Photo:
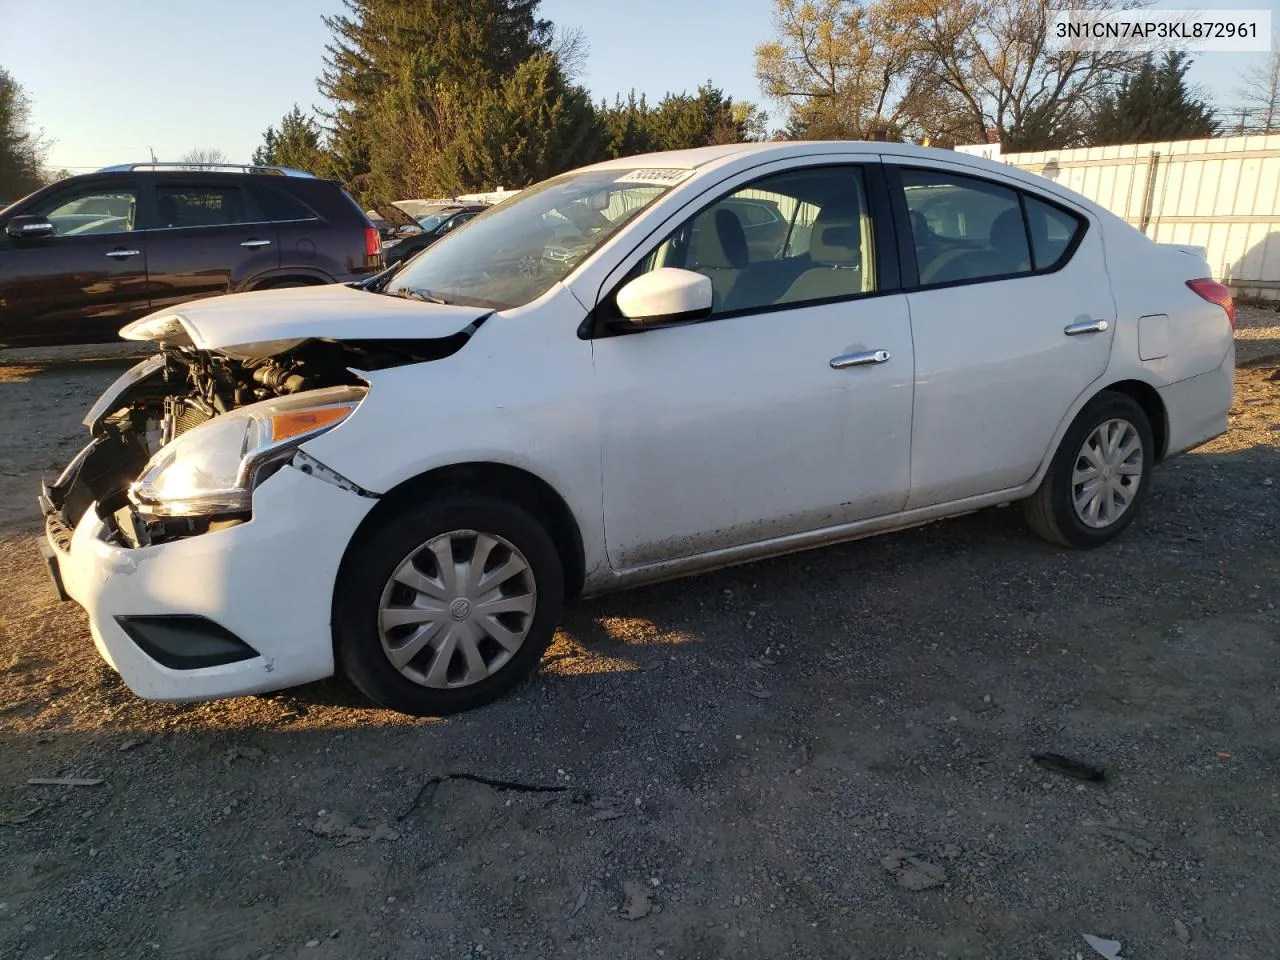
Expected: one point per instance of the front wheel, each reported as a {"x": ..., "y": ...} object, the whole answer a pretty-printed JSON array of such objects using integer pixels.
[
  {"x": 448, "y": 605},
  {"x": 1099, "y": 476}
]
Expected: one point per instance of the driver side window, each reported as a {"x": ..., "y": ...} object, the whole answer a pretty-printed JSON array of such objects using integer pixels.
[
  {"x": 804, "y": 236},
  {"x": 91, "y": 211}
]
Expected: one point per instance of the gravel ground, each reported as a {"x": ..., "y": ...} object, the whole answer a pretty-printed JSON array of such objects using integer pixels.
[{"x": 743, "y": 763}]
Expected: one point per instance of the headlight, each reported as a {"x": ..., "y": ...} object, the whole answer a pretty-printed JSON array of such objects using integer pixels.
[{"x": 213, "y": 468}]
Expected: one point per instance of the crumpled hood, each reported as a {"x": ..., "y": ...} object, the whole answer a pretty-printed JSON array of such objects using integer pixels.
[{"x": 279, "y": 319}]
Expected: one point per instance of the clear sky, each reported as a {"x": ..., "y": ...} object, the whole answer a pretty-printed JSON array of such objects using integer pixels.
[{"x": 111, "y": 81}]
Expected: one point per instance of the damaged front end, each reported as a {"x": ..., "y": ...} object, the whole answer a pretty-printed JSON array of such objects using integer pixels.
[{"x": 181, "y": 440}]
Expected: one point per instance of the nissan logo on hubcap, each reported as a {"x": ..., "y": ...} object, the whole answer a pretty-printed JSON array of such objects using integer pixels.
[{"x": 460, "y": 609}]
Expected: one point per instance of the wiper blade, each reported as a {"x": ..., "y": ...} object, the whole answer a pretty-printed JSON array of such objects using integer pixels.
[{"x": 409, "y": 293}]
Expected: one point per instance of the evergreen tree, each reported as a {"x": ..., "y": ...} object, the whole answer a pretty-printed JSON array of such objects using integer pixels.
[
  {"x": 679, "y": 122},
  {"x": 1151, "y": 105},
  {"x": 296, "y": 144},
  {"x": 535, "y": 125},
  {"x": 628, "y": 126},
  {"x": 682, "y": 121},
  {"x": 21, "y": 152},
  {"x": 377, "y": 43}
]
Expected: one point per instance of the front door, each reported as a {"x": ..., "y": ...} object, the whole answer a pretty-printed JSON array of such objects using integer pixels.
[
  {"x": 206, "y": 237},
  {"x": 1013, "y": 321},
  {"x": 740, "y": 428},
  {"x": 83, "y": 283}
]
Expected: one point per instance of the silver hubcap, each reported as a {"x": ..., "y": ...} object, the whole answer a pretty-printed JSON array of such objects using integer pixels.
[
  {"x": 457, "y": 609},
  {"x": 1107, "y": 473}
]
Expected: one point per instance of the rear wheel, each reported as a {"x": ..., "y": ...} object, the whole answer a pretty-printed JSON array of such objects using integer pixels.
[
  {"x": 448, "y": 605},
  {"x": 1099, "y": 476}
]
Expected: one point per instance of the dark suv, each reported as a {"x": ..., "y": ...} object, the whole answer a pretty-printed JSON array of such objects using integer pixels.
[{"x": 86, "y": 255}]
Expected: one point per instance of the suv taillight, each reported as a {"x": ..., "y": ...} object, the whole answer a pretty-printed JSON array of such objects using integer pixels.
[
  {"x": 372, "y": 242},
  {"x": 1218, "y": 293}
]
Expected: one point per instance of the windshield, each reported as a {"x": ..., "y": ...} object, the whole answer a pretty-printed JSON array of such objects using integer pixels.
[
  {"x": 434, "y": 220},
  {"x": 514, "y": 252}
]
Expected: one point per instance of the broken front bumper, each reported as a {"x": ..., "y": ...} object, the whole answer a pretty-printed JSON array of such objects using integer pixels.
[{"x": 240, "y": 610}]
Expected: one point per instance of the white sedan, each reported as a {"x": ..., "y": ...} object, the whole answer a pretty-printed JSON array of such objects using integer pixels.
[{"x": 637, "y": 370}]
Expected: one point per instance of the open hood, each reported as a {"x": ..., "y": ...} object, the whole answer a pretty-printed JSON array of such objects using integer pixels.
[
  {"x": 274, "y": 321},
  {"x": 394, "y": 215}
]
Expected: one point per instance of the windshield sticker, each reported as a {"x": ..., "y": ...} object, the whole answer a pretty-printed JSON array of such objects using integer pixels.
[{"x": 659, "y": 176}]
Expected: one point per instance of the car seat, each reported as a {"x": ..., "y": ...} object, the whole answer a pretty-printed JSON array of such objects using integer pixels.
[{"x": 835, "y": 249}]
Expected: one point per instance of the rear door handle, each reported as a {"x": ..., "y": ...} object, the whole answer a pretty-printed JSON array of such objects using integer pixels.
[
  {"x": 859, "y": 359},
  {"x": 1086, "y": 326},
  {"x": 253, "y": 244},
  {"x": 120, "y": 254}
]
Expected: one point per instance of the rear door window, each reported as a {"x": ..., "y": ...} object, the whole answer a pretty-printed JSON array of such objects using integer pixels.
[
  {"x": 964, "y": 228},
  {"x": 190, "y": 205}
]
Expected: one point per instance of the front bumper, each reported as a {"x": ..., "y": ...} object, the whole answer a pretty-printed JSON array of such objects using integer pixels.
[{"x": 268, "y": 582}]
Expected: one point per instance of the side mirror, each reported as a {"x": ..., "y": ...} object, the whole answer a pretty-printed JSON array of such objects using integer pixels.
[
  {"x": 29, "y": 228},
  {"x": 665, "y": 296}
]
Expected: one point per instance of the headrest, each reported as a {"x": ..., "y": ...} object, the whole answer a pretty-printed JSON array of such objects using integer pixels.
[
  {"x": 733, "y": 239},
  {"x": 717, "y": 245},
  {"x": 1007, "y": 231},
  {"x": 836, "y": 239}
]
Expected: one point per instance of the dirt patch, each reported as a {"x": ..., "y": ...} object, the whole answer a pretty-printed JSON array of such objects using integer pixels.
[
  {"x": 800, "y": 758},
  {"x": 1257, "y": 336}
]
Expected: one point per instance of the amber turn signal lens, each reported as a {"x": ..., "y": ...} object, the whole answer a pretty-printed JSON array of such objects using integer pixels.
[{"x": 286, "y": 425}]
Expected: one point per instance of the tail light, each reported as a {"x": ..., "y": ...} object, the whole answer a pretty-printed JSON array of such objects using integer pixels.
[
  {"x": 372, "y": 242},
  {"x": 1218, "y": 293}
]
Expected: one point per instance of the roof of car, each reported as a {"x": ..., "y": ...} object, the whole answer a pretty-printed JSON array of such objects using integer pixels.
[
  {"x": 701, "y": 156},
  {"x": 732, "y": 153}
]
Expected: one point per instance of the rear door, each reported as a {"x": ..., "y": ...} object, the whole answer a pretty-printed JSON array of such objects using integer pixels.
[
  {"x": 87, "y": 280},
  {"x": 323, "y": 231},
  {"x": 1012, "y": 318},
  {"x": 206, "y": 237}
]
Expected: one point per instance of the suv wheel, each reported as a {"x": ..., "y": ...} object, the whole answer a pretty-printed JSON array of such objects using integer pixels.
[
  {"x": 447, "y": 606},
  {"x": 1099, "y": 476}
]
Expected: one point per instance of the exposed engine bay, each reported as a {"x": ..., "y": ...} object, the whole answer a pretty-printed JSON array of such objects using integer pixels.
[{"x": 181, "y": 388}]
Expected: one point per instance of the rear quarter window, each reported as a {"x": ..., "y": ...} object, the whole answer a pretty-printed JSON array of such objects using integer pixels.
[
  {"x": 1053, "y": 232},
  {"x": 278, "y": 206}
]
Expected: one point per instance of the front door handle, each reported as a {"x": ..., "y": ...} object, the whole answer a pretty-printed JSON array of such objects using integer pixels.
[
  {"x": 859, "y": 359},
  {"x": 254, "y": 244},
  {"x": 1086, "y": 326},
  {"x": 120, "y": 254}
]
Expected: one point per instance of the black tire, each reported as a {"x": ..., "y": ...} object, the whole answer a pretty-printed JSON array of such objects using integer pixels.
[
  {"x": 367, "y": 570},
  {"x": 285, "y": 284},
  {"x": 1051, "y": 510}
]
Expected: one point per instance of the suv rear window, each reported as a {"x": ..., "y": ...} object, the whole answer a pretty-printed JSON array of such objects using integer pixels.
[{"x": 278, "y": 206}]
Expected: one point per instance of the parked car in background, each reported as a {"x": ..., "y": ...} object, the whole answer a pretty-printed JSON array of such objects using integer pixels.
[
  {"x": 605, "y": 382},
  {"x": 431, "y": 227},
  {"x": 422, "y": 208},
  {"x": 84, "y": 256},
  {"x": 392, "y": 222}
]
